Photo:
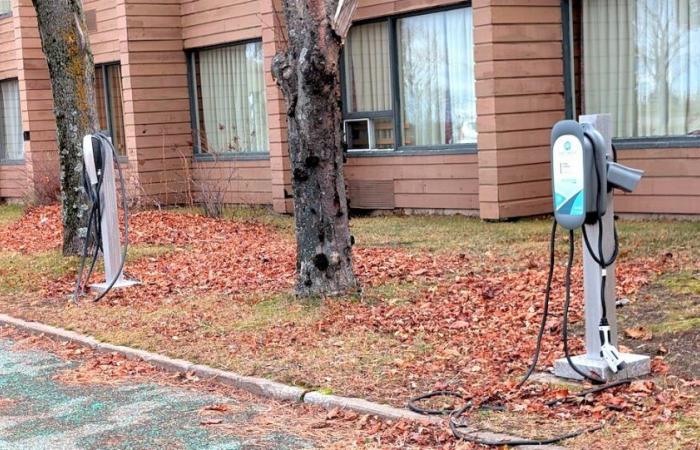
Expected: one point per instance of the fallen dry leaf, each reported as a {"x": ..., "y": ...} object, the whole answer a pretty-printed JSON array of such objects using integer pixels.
[{"x": 638, "y": 333}]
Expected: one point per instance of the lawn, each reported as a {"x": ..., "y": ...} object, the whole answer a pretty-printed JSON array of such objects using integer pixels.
[{"x": 447, "y": 302}]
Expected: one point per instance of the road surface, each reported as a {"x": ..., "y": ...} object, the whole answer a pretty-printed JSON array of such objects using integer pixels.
[{"x": 39, "y": 412}]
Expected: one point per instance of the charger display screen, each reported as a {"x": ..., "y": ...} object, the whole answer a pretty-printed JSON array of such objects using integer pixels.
[{"x": 568, "y": 175}]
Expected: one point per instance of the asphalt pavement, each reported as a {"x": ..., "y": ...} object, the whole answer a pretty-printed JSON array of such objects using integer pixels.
[{"x": 39, "y": 412}]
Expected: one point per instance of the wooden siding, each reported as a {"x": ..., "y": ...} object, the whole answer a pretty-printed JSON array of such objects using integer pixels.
[
  {"x": 41, "y": 151},
  {"x": 13, "y": 181},
  {"x": 243, "y": 182},
  {"x": 210, "y": 22},
  {"x": 104, "y": 41},
  {"x": 423, "y": 182},
  {"x": 274, "y": 40},
  {"x": 8, "y": 49},
  {"x": 671, "y": 183},
  {"x": 367, "y": 9},
  {"x": 520, "y": 95},
  {"x": 156, "y": 98}
]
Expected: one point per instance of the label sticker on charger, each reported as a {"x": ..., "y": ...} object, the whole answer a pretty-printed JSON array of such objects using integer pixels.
[{"x": 568, "y": 173}]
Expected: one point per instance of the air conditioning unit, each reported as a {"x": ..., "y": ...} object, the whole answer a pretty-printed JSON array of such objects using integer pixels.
[{"x": 359, "y": 134}]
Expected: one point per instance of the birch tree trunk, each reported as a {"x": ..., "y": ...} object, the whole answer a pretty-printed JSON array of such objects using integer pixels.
[
  {"x": 64, "y": 40},
  {"x": 309, "y": 76}
]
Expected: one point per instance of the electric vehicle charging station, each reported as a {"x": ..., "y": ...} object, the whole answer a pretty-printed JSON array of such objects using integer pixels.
[
  {"x": 103, "y": 224},
  {"x": 583, "y": 175}
]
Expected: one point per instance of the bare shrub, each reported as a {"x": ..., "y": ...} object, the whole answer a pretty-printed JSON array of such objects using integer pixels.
[
  {"x": 46, "y": 188},
  {"x": 212, "y": 192}
]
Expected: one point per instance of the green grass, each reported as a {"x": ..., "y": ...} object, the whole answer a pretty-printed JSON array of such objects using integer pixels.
[
  {"x": 10, "y": 213},
  {"x": 277, "y": 309},
  {"x": 23, "y": 273},
  {"x": 446, "y": 233},
  {"x": 685, "y": 283}
]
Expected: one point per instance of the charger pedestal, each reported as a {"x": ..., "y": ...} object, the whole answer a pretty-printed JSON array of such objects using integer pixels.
[
  {"x": 592, "y": 362},
  {"x": 110, "y": 228}
]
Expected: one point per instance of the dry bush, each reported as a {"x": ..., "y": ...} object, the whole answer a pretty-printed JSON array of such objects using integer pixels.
[
  {"x": 212, "y": 192},
  {"x": 47, "y": 188}
]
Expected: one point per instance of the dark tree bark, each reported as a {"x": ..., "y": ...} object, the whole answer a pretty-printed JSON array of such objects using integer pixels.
[
  {"x": 64, "y": 39},
  {"x": 309, "y": 76}
]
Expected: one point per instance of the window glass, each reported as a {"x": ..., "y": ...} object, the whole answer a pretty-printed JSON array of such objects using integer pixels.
[
  {"x": 436, "y": 72},
  {"x": 367, "y": 75},
  {"x": 231, "y": 102},
  {"x": 11, "y": 139},
  {"x": 641, "y": 63},
  {"x": 110, "y": 105},
  {"x": 5, "y": 6}
]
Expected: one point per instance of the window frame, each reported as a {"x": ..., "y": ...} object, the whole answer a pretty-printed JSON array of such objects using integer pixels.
[
  {"x": 107, "y": 89},
  {"x": 395, "y": 112},
  {"x": 627, "y": 143},
  {"x": 197, "y": 154},
  {"x": 16, "y": 161}
]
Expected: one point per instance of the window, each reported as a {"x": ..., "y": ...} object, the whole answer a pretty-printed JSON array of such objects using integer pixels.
[
  {"x": 423, "y": 96},
  {"x": 641, "y": 63},
  {"x": 110, "y": 106},
  {"x": 229, "y": 103},
  {"x": 5, "y": 7},
  {"x": 11, "y": 139}
]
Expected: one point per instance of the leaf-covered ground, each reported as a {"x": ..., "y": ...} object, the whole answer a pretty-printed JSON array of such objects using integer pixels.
[{"x": 448, "y": 303}]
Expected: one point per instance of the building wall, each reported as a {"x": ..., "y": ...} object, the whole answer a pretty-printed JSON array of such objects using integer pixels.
[
  {"x": 671, "y": 183},
  {"x": 520, "y": 94},
  {"x": 104, "y": 37},
  {"x": 13, "y": 178},
  {"x": 8, "y": 51},
  {"x": 211, "y": 22},
  {"x": 40, "y": 150}
]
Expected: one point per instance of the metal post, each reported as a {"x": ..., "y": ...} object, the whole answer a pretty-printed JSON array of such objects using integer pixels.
[
  {"x": 591, "y": 269},
  {"x": 592, "y": 362}
]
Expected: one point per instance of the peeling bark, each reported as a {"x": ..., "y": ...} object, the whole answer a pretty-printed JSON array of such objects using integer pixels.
[
  {"x": 308, "y": 73},
  {"x": 64, "y": 39}
]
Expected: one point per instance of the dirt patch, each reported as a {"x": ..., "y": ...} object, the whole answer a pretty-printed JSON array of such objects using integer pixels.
[{"x": 664, "y": 321}]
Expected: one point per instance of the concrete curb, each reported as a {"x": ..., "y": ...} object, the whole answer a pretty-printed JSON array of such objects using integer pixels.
[{"x": 257, "y": 386}]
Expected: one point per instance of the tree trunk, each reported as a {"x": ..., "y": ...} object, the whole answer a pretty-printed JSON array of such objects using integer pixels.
[
  {"x": 309, "y": 76},
  {"x": 64, "y": 40}
]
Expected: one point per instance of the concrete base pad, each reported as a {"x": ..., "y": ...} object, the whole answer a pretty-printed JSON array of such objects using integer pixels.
[
  {"x": 123, "y": 283},
  {"x": 636, "y": 366}
]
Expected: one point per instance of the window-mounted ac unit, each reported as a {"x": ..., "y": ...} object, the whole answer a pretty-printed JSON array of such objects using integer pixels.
[{"x": 359, "y": 134}]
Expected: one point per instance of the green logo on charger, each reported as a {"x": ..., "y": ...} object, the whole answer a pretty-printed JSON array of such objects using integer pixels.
[{"x": 567, "y": 145}]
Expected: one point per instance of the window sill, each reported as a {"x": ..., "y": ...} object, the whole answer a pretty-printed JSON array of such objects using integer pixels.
[
  {"x": 659, "y": 142},
  {"x": 253, "y": 156},
  {"x": 11, "y": 162},
  {"x": 468, "y": 149},
  {"x": 5, "y": 15}
]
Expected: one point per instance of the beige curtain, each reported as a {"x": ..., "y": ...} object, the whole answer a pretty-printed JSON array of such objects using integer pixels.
[
  {"x": 642, "y": 64},
  {"x": 233, "y": 99},
  {"x": 436, "y": 72},
  {"x": 367, "y": 68},
  {"x": 11, "y": 139}
]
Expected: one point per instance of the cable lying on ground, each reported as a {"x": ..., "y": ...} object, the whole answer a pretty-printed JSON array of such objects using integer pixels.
[{"x": 456, "y": 414}]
